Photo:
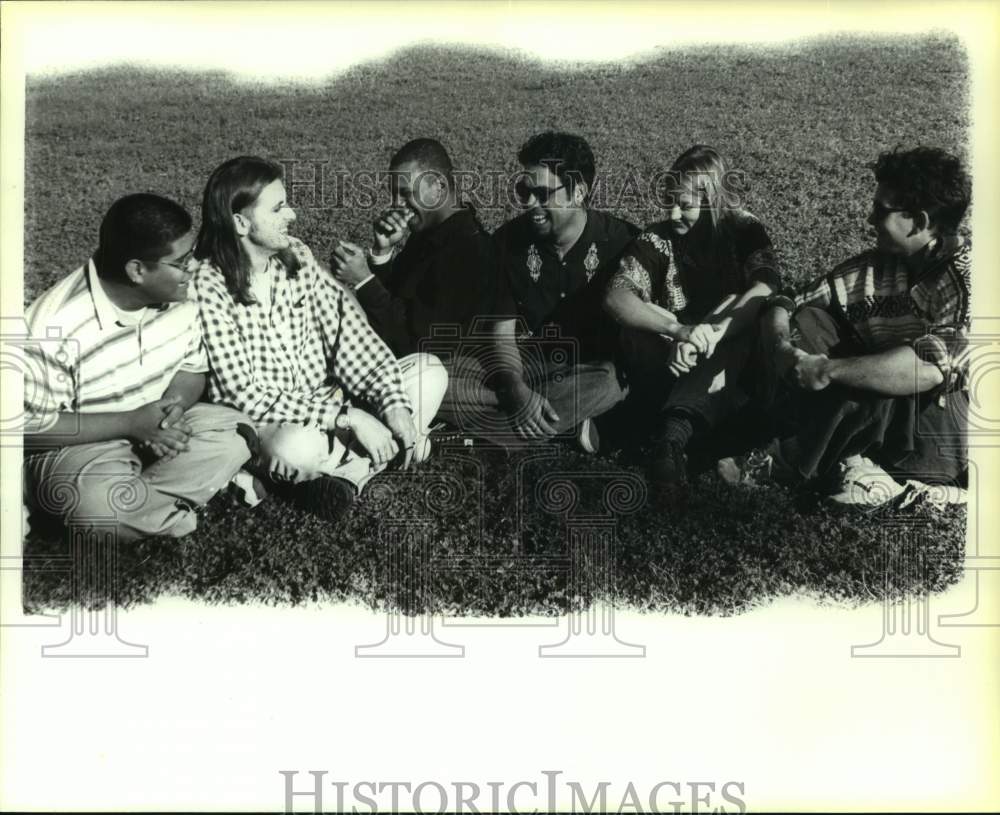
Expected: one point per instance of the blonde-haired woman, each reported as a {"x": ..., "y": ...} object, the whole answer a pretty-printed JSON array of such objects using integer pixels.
[{"x": 687, "y": 291}]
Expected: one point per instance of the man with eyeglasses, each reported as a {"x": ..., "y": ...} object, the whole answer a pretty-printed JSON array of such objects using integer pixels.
[
  {"x": 873, "y": 351},
  {"x": 114, "y": 371},
  {"x": 558, "y": 255}
]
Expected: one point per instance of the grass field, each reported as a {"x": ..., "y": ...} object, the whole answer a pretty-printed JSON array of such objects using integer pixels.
[{"x": 800, "y": 121}]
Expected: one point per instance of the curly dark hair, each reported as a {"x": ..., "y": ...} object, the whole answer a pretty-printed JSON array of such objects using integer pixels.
[
  {"x": 565, "y": 154},
  {"x": 927, "y": 179}
]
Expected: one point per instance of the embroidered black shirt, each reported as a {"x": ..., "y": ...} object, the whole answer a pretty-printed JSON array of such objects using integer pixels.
[{"x": 566, "y": 292}]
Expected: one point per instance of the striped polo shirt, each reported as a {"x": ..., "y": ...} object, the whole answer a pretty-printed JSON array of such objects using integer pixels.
[{"x": 84, "y": 355}]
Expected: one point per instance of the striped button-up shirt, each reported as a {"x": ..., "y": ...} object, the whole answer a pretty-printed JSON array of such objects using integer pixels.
[
  {"x": 290, "y": 358},
  {"x": 84, "y": 355},
  {"x": 885, "y": 307}
]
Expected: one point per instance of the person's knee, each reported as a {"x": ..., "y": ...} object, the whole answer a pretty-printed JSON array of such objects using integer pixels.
[
  {"x": 434, "y": 376},
  {"x": 815, "y": 331},
  {"x": 233, "y": 451},
  {"x": 104, "y": 497},
  {"x": 297, "y": 447},
  {"x": 93, "y": 488},
  {"x": 426, "y": 384},
  {"x": 206, "y": 417}
]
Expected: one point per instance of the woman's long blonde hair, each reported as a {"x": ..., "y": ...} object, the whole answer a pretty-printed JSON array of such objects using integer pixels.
[{"x": 702, "y": 170}]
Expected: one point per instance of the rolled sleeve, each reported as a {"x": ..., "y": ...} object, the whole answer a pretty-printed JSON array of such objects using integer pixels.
[
  {"x": 49, "y": 383},
  {"x": 234, "y": 379},
  {"x": 945, "y": 348},
  {"x": 361, "y": 360},
  {"x": 195, "y": 358}
]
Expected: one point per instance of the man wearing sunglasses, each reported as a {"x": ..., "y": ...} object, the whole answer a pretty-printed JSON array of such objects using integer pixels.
[
  {"x": 115, "y": 368},
  {"x": 873, "y": 351},
  {"x": 558, "y": 255}
]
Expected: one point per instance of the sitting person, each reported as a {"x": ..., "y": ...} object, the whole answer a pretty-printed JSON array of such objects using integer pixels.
[
  {"x": 444, "y": 289},
  {"x": 558, "y": 256},
  {"x": 115, "y": 431},
  {"x": 873, "y": 350},
  {"x": 687, "y": 292},
  {"x": 287, "y": 345}
]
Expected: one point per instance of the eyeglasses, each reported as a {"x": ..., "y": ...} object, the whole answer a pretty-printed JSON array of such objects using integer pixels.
[
  {"x": 180, "y": 263},
  {"x": 525, "y": 192}
]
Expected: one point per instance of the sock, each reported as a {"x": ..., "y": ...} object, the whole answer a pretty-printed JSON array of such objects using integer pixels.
[{"x": 678, "y": 429}]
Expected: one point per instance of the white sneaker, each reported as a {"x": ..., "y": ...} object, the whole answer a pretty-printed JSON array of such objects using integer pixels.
[
  {"x": 937, "y": 495},
  {"x": 249, "y": 489},
  {"x": 864, "y": 483},
  {"x": 587, "y": 437}
]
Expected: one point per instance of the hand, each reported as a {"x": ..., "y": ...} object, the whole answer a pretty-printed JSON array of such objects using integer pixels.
[
  {"x": 786, "y": 356},
  {"x": 349, "y": 264},
  {"x": 400, "y": 423},
  {"x": 373, "y": 436},
  {"x": 683, "y": 357},
  {"x": 143, "y": 426},
  {"x": 812, "y": 372},
  {"x": 159, "y": 451},
  {"x": 390, "y": 228},
  {"x": 704, "y": 336},
  {"x": 531, "y": 413},
  {"x": 173, "y": 416}
]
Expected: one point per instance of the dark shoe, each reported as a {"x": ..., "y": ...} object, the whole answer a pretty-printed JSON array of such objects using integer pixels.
[
  {"x": 668, "y": 464},
  {"x": 326, "y": 497},
  {"x": 255, "y": 465},
  {"x": 771, "y": 464}
]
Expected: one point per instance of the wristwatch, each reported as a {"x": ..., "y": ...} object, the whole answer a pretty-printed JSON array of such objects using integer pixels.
[{"x": 343, "y": 420}]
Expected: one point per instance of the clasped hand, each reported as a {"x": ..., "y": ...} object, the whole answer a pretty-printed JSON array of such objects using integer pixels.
[
  {"x": 703, "y": 336},
  {"x": 811, "y": 371},
  {"x": 160, "y": 427},
  {"x": 683, "y": 357}
]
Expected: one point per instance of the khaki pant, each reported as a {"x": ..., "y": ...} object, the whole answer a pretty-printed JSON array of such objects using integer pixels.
[
  {"x": 315, "y": 452},
  {"x": 106, "y": 481},
  {"x": 576, "y": 391}
]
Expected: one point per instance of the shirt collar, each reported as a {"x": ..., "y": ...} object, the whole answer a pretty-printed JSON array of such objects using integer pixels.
[
  {"x": 594, "y": 231},
  {"x": 928, "y": 259},
  {"x": 107, "y": 312},
  {"x": 464, "y": 220}
]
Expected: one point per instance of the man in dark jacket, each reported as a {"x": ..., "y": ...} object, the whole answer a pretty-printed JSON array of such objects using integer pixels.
[{"x": 444, "y": 291}]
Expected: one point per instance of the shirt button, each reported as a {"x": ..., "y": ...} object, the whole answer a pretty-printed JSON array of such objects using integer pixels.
[{"x": 562, "y": 294}]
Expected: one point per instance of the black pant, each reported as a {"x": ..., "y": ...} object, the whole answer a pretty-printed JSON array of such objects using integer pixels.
[{"x": 920, "y": 436}]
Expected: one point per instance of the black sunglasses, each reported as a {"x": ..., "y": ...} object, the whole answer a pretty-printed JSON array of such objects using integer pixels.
[
  {"x": 880, "y": 210},
  {"x": 525, "y": 192}
]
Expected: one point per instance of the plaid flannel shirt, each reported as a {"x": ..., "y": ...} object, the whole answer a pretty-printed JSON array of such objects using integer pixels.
[
  {"x": 292, "y": 362},
  {"x": 874, "y": 295}
]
